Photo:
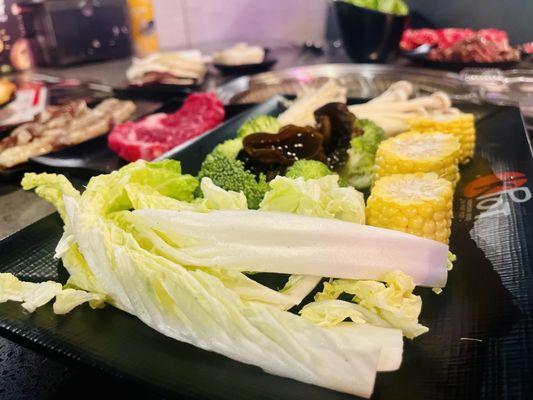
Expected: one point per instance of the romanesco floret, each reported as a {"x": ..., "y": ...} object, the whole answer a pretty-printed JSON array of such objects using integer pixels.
[
  {"x": 261, "y": 123},
  {"x": 230, "y": 174},
  {"x": 308, "y": 169},
  {"x": 360, "y": 165},
  {"x": 230, "y": 148}
]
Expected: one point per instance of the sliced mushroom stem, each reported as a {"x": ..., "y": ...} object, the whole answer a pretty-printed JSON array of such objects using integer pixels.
[
  {"x": 373, "y": 113},
  {"x": 437, "y": 101},
  {"x": 398, "y": 91}
]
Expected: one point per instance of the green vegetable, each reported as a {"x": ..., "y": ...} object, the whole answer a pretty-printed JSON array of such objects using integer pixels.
[
  {"x": 392, "y": 302},
  {"x": 308, "y": 169},
  {"x": 214, "y": 198},
  {"x": 137, "y": 270},
  {"x": 230, "y": 175},
  {"x": 162, "y": 176},
  {"x": 70, "y": 298},
  {"x": 51, "y": 188},
  {"x": 369, "y": 128},
  {"x": 261, "y": 123},
  {"x": 398, "y": 7},
  {"x": 321, "y": 197},
  {"x": 34, "y": 295},
  {"x": 38, "y": 294},
  {"x": 11, "y": 288},
  {"x": 146, "y": 195},
  {"x": 230, "y": 148},
  {"x": 359, "y": 168},
  {"x": 106, "y": 194},
  {"x": 176, "y": 263},
  {"x": 389, "y": 339},
  {"x": 331, "y": 312}
]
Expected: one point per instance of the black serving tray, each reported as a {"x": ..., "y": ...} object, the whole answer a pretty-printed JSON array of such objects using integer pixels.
[{"x": 481, "y": 326}]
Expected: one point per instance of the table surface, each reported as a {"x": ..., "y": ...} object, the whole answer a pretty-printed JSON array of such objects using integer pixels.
[{"x": 25, "y": 374}]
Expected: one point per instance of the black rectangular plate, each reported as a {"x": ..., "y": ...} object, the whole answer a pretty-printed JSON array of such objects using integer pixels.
[
  {"x": 87, "y": 158},
  {"x": 95, "y": 157},
  {"x": 481, "y": 326},
  {"x": 92, "y": 156}
]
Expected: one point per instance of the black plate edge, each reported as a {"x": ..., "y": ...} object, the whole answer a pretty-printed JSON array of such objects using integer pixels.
[
  {"x": 59, "y": 161},
  {"x": 243, "y": 69}
]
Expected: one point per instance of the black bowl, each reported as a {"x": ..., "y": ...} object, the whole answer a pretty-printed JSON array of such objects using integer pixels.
[{"x": 369, "y": 35}]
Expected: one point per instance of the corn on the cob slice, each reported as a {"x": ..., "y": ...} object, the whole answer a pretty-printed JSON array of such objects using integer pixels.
[
  {"x": 462, "y": 126},
  {"x": 420, "y": 204},
  {"x": 412, "y": 152}
]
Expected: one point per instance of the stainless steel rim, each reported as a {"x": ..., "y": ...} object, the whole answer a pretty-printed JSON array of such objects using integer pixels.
[{"x": 368, "y": 78}]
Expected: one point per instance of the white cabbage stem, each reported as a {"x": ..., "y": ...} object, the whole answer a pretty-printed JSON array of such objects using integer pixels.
[{"x": 262, "y": 241}]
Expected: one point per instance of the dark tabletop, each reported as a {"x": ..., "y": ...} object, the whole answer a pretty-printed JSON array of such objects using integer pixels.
[{"x": 25, "y": 374}]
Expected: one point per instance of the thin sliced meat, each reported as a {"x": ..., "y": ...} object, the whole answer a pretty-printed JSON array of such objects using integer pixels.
[
  {"x": 158, "y": 133},
  {"x": 60, "y": 126}
]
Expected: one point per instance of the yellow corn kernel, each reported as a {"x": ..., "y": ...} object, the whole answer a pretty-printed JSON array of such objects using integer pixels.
[
  {"x": 462, "y": 126},
  {"x": 419, "y": 204},
  {"x": 412, "y": 152}
]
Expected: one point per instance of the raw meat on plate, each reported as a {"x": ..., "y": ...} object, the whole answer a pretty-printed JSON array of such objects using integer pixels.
[{"x": 154, "y": 135}]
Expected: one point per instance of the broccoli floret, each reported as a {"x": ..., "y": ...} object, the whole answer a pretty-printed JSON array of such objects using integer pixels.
[
  {"x": 360, "y": 165},
  {"x": 261, "y": 123},
  {"x": 230, "y": 174},
  {"x": 371, "y": 131},
  {"x": 308, "y": 169},
  {"x": 229, "y": 148}
]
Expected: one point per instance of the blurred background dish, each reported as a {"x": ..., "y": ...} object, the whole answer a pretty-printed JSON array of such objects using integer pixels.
[
  {"x": 240, "y": 60},
  {"x": 458, "y": 48},
  {"x": 369, "y": 35},
  {"x": 183, "y": 68},
  {"x": 240, "y": 54},
  {"x": 422, "y": 56}
]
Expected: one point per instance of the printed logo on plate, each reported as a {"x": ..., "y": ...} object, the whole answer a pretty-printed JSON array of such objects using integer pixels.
[{"x": 492, "y": 195}]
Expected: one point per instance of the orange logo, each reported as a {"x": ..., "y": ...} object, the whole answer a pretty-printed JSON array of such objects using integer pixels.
[{"x": 490, "y": 184}]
